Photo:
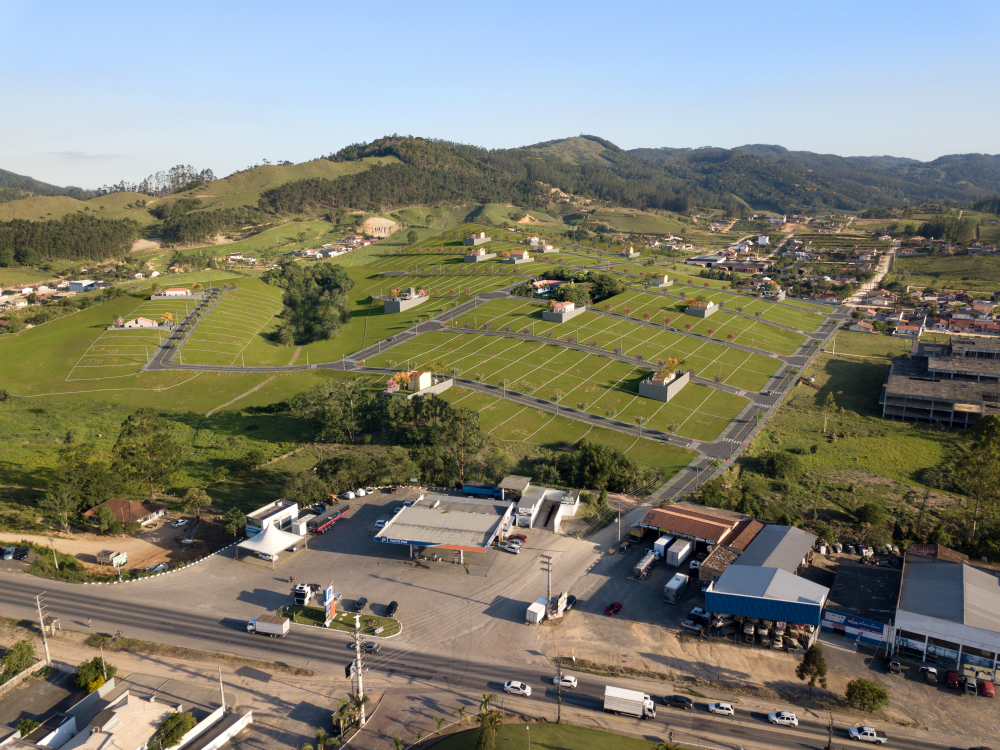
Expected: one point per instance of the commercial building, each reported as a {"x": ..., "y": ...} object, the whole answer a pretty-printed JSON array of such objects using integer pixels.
[
  {"x": 862, "y": 603},
  {"x": 953, "y": 384},
  {"x": 763, "y": 583},
  {"x": 449, "y": 522},
  {"x": 706, "y": 527},
  {"x": 713, "y": 566},
  {"x": 280, "y": 513},
  {"x": 81, "y": 285},
  {"x": 948, "y": 611}
]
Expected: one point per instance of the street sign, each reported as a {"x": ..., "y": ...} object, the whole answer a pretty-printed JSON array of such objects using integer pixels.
[{"x": 328, "y": 601}]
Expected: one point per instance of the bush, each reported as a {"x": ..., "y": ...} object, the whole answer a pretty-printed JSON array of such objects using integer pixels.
[
  {"x": 90, "y": 674},
  {"x": 173, "y": 728},
  {"x": 25, "y": 726},
  {"x": 866, "y": 695},
  {"x": 782, "y": 465},
  {"x": 16, "y": 659}
]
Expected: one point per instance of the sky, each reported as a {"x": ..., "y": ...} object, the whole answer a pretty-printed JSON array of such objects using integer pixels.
[{"x": 97, "y": 92}]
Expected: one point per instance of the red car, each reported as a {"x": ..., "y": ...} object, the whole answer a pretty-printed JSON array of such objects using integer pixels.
[
  {"x": 986, "y": 688},
  {"x": 951, "y": 679},
  {"x": 518, "y": 537},
  {"x": 615, "y": 607}
]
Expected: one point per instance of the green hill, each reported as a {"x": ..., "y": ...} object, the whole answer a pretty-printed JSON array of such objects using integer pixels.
[{"x": 15, "y": 187}]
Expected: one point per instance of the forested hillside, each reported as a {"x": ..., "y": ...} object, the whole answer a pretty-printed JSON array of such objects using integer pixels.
[
  {"x": 14, "y": 187},
  {"x": 74, "y": 237}
]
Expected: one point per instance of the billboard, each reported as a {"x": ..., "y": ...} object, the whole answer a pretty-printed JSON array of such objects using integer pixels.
[
  {"x": 851, "y": 621},
  {"x": 328, "y": 601}
]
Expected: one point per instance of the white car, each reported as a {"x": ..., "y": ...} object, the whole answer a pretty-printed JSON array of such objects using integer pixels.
[
  {"x": 348, "y": 495},
  {"x": 695, "y": 564},
  {"x": 517, "y": 688},
  {"x": 514, "y": 542},
  {"x": 360, "y": 492},
  {"x": 380, "y": 524},
  {"x": 567, "y": 681},
  {"x": 691, "y": 625},
  {"x": 178, "y": 524},
  {"x": 698, "y": 612},
  {"x": 369, "y": 490},
  {"x": 785, "y": 718},
  {"x": 513, "y": 548},
  {"x": 723, "y": 709},
  {"x": 397, "y": 509}
]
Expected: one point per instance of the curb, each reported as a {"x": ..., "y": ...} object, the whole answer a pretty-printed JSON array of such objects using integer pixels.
[{"x": 164, "y": 573}]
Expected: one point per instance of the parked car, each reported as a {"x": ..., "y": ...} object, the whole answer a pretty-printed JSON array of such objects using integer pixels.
[
  {"x": 370, "y": 647},
  {"x": 348, "y": 495},
  {"x": 723, "y": 709},
  {"x": 779, "y": 641},
  {"x": 566, "y": 681},
  {"x": 969, "y": 686},
  {"x": 678, "y": 701},
  {"x": 380, "y": 524},
  {"x": 930, "y": 674},
  {"x": 514, "y": 549},
  {"x": 785, "y": 718},
  {"x": 515, "y": 542},
  {"x": 181, "y": 522},
  {"x": 397, "y": 509},
  {"x": 613, "y": 609},
  {"x": 369, "y": 490},
  {"x": 691, "y": 625},
  {"x": 986, "y": 689},
  {"x": 698, "y": 611},
  {"x": 407, "y": 503},
  {"x": 360, "y": 492},
  {"x": 20, "y": 553},
  {"x": 8, "y": 553},
  {"x": 517, "y": 688},
  {"x": 391, "y": 610},
  {"x": 892, "y": 666},
  {"x": 695, "y": 564},
  {"x": 359, "y": 605},
  {"x": 266, "y": 556},
  {"x": 517, "y": 538},
  {"x": 951, "y": 679},
  {"x": 570, "y": 601},
  {"x": 748, "y": 629}
]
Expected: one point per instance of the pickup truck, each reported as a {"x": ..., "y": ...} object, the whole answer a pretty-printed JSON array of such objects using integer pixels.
[{"x": 867, "y": 734}]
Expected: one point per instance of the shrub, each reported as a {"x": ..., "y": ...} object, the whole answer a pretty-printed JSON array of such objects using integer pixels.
[
  {"x": 90, "y": 674},
  {"x": 866, "y": 695}
]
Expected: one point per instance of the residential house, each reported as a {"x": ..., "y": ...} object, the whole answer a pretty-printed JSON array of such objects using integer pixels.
[
  {"x": 140, "y": 323},
  {"x": 127, "y": 511},
  {"x": 862, "y": 326}
]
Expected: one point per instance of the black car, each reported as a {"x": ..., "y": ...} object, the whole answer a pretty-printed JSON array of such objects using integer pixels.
[
  {"x": 570, "y": 601},
  {"x": 390, "y": 611},
  {"x": 370, "y": 647},
  {"x": 359, "y": 605},
  {"x": 20, "y": 553},
  {"x": 678, "y": 701},
  {"x": 700, "y": 619},
  {"x": 893, "y": 667}
]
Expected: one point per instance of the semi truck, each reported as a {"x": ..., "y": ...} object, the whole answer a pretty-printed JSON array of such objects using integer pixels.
[
  {"x": 482, "y": 489},
  {"x": 675, "y": 588},
  {"x": 678, "y": 552},
  {"x": 641, "y": 570},
  {"x": 111, "y": 557},
  {"x": 325, "y": 521},
  {"x": 660, "y": 546},
  {"x": 276, "y": 627},
  {"x": 628, "y": 702}
]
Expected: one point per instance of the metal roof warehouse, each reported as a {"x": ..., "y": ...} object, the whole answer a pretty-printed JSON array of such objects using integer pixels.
[{"x": 449, "y": 522}]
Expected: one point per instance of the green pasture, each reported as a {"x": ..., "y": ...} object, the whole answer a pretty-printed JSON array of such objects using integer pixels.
[
  {"x": 639, "y": 222},
  {"x": 979, "y": 273},
  {"x": 15, "y": 276},
  {"x": 589, "y": 382},
  {"x": 775, "y": 312}
]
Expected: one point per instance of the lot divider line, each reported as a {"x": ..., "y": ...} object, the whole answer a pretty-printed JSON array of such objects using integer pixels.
[{"x": 242, "y": 395}]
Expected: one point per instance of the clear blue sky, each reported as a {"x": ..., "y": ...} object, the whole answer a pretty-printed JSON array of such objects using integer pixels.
[{"x": 98, "y": 91}]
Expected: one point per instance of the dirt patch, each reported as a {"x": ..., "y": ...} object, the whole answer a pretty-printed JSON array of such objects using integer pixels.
[
  {"x": 376, "y": 226},
  {"x": 935, "y": 499},
  {"x": 146, "y": 245},
  {"x": 526, "y": 219}
]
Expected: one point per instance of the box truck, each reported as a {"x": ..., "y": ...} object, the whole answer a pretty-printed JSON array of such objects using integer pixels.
[
  {"x": 276, "y": 627},
  {"x": 641, "y": 570},
  {"x": 678, "y": 552},
  {"x": 536, "y": 611},
  {"x": 111, "y": 557},
  {"x": 675, "y": 588},
  {"x": 628, "y": 702},
  {"x": 660, "y": 546}
]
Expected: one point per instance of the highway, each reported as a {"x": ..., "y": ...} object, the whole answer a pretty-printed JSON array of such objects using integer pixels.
[{"x": 408, "y": 667}]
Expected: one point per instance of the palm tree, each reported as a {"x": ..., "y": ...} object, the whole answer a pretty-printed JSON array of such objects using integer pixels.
[
  {"x": 440, "y": 720},
  {"x": 460, "y": 713},
  {"x": 357, "y": 702},
  {"x": 397, "y": 742},
  {"x": 641, "y": 420}
]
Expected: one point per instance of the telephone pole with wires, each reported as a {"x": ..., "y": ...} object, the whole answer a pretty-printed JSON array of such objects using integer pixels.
[
  {"x": 547, "y": 568},
  {"x": 359, "y": 668},
  {"x": 42, "y": 611}
]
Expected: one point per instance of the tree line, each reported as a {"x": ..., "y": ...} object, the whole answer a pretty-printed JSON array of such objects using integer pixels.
[
  {"x": 184, "y": 224},
  {"x": 174, "y": 180},
  {"x": 73, "y": 237},
  {"x": 315, "y": 299}
]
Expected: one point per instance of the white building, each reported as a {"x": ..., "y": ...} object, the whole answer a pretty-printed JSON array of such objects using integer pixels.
[
  {"x": 81, "y": 285},
  {"x": 140, "y": 323},
  {"x": 763, "y": 241},
  {"x": 280, "y": 513}
]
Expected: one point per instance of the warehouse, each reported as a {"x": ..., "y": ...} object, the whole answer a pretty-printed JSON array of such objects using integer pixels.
[
  {"x": 449, "y": 522},
  {"x": 948, "y": 611},
  {"x": 862, "y": 603},
  {"x": 763, "y": 582},
  {"x": 706, "y": 527}
]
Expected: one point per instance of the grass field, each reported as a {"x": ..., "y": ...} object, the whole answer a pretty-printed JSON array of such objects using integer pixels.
[
  {"x": 548, "y": 737},
  {"x": 629, "y": 220},
  {"x": 979, "y": 273},
  {"x": 235, "y": 331},
  {"x": 598, "y": 385},
  {"x": 14, "y": 276}
]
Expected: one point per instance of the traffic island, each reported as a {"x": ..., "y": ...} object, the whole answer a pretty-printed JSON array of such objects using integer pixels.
[{"x": 371, "y": 625}]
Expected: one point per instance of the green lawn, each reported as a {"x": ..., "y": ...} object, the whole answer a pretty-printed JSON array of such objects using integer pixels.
[
  {"x": 342, "y": 620},
  {"x": 980, "y": 273},
  {"x": 549, "y": 737},
  {"x": 868, "y": 344}
]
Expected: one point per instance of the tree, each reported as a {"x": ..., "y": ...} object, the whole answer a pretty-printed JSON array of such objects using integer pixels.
[
  {"x": 978, "y": 469},
  {"x": 145, "y": 451},
  {"x": 27, "y": 726},
  {"x": 132, "y": 528},
  {"x": 866, "y": 695},
  {"x": 173, "y": 728},
  {"x": 90, "y": 672},
  {"x": 252, "y": 460},
  {"x": 194, "y": 500},
  {"x": 60, "y": 504},
  {"x": 235, "y": 521},
  {"x": 489, "y": 722},
  {"x": 17, "y": 658},
  {"x": 411, "y": 237},
  {"x": 108, "y": 522},
  {"x": 828, "y": 403},
  {"x": 462, "y": 436},
  {"x": 342, "y": 716},
  {"x": 812, "y": 668}
]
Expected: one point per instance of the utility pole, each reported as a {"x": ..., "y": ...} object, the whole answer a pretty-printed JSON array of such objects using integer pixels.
[
  {"x": 222, "y": 689},
  {"x": 559, "y": 694},
  {"x": 547, "y": 567},
  {"x": 358, "y": 668},
  {"x": 55, "y": 560},
  {"x": 104, "y": 669},
  {"x": 39, "y": 603}
]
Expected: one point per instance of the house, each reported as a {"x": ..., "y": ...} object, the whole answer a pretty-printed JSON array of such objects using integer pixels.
[
  {"x": 127, "y": 511},
  {"x": 419, "y": 381},
  {"x": 629, "y": 252},
  {"x": 763, "y": 241},
  {"x": 140, "y": 323},
  {"x": 81, "y": 285},
  {"x": 234, "y": 256},
  {"x": 563, "y": 307},
  {"x": 476, "y": 238},
  {"x": 175, "y": 292},
  {"x": 862, "y": 326},
  {"x": 544, "y": 286},
  {"x": 908, "y": 331},
  {"x": 138, "y": 276}
]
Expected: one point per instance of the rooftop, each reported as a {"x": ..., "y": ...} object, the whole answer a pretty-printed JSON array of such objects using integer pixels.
[
  {"x": 744, "y": 533},
  {"x": 769, "y": 583},
  {"x": 781, "y": 547},
  {"x": 271, "y": 509},
  {"x": 447, "y": 520},
  {"x": 685, "y": 522},
  {"x": 865, "y": 591},
  {"x": 127, "y": 510},
  {"x": 515, "y": 483},
  {"x": 951, "y": 591}
]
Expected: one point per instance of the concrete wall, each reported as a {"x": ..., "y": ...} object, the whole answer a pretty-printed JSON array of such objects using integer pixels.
[
  {"x": 562, "y": 317},
  {"x": 88, "y": 703},
  {"x": 228, "y": 728},
  {"x": 517, "y": 261},
  {"x": 478, "y": 258},
  {"x": 702, "y": 312},
  {"x": 402, "y": 305},
  {"x": 436, "y": 388},
  {"x": 189, "y": 295},
  {"x": 201, "y": 727},
  {"x": 660, "y": 392}
]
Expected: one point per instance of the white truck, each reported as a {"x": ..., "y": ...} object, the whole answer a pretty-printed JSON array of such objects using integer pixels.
[
  {"x": 537, "y": 611},
  {"x": 276, "y": 627},
  {"x": 675, "y": 588},
  {"x": 629, "y": 702},
  {"x": 867, "y": 734},
  {"x": 678, "y": 552},
  {"x": 660, "y": 546}
]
